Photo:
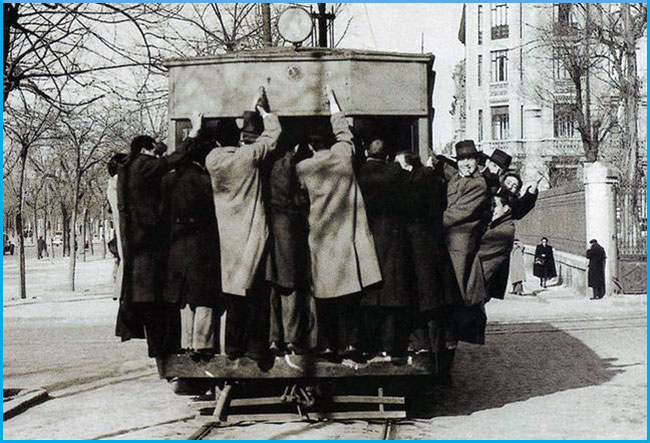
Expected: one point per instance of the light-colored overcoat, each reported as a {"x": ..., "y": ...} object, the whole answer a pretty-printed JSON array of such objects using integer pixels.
[
  {"x": 111, "y": 195},
  {"x": 241, "y": 218},
  {"x": 342, "y": 250}
]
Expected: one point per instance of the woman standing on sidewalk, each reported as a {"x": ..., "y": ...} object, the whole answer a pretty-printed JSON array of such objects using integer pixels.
[
  {"x": 517, "y": 270},
  {"x": 544, "y": 264}
]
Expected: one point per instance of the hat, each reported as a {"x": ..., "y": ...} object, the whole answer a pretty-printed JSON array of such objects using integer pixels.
[
  {"x": 592, "y": 241},
  {"x": 501, "y": 159},
  {"x": 253, "y": 126},
  {"x": 466, "y": 149}
]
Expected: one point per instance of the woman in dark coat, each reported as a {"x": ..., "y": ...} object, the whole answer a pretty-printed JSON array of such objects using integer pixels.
[
  {"x": 193, "y": 278},
  {"x": 544, "y": 265},
  {"x": 596, "y": 274}
]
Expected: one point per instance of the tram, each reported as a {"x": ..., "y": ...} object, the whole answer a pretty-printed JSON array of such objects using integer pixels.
[{"x": 381, "y": 93}]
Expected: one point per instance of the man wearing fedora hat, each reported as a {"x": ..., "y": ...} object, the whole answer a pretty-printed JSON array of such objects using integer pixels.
[
  {"x": 243, "y": 231},
  {"x": 496, "y": 165},
  {"x": 464, "y": 221}
]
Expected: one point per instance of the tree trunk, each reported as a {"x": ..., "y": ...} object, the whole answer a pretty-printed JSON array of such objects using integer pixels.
[
  {"x": 66, "y": 230},
  {"x": 631, "y": 96},
  {"x": 84, "y": 233},
  {"x": 92, "y": 236},
  {"x": 19, "y": 226},
  {"x": 73, "y": 240},
  {"x": 103, "y": 231}
]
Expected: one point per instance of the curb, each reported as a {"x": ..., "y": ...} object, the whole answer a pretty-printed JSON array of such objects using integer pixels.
[
  {"x": 65, "y": 300},
  {"x": 23, "y": 402}
]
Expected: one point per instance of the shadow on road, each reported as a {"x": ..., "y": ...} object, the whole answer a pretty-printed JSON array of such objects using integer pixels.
[{"x": 521, "y": 362}]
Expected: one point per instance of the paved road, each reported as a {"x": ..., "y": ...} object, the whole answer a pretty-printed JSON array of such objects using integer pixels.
[{"x": 581, "y": 379}]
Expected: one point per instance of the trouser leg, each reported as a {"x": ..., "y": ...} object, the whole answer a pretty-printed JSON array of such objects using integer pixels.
[
  {"x": 237, "y": 307},
  {"x": 327, "y": 324},
  {"x": 348, "y": 320},
  {"x": 257, "y": 323},
  {"x": 370, "y": 318},
  {"x": 187, "y": 327},
  {"x": 276, "y": 332},
  {"x": 397, "y": 323},
  {"x": 162, "y": 329},
  {"x": 203, "y": 330},
  {"x": 293, "y": 316}
]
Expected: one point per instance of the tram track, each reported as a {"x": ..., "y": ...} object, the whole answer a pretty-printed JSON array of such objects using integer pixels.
[{"x": 387, "y": 431}]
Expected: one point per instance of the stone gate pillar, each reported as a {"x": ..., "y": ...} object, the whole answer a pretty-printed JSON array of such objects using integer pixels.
[{"x": 600, "y": 214}]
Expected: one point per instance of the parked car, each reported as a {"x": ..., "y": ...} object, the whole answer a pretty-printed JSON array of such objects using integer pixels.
[
  {"x": 57, "y": 240},
  {"x": 7, "y": 245}
]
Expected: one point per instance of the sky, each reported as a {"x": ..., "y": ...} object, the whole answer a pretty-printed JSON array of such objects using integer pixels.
[{"x": 399, "y": 27}]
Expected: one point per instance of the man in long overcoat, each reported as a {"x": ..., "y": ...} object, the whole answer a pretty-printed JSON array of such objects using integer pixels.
[
  {"x": 193, "y": 275},
  {"x": 423, "y": 203},
  {"x": 143, "y": 309},
  {"x": 596, "y": 275},
  {"x": 385, "y": 312},
  {"x": 465, "y": 220},
  {"x": 342, "y": 251},
  {"x": 243, "y": 231}
]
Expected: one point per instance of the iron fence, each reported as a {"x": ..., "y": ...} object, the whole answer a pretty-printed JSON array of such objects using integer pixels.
[{"x": 632, "y": 220}]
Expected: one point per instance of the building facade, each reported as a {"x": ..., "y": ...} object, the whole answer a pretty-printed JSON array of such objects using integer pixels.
[{"x": 509, "y": 78}]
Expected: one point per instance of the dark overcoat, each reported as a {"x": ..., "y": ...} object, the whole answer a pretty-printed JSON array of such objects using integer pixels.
[
  {"x": 465, "y": 220},
  {"x": 497, "y": 243},
  {"x": 139, "y": 201},
  {"x": 288, "y": 210},
  {"x": 381, "y": 184},
  {"x": 544, "y": 265},
  {"x": 423, "y": 203},
  {"x": 342, "y": 250},
  {"x": 494, "y": 253},
  {"x": 193, "y": 270},
  {"x": 241, "y": 215},
  {"x": 596, "y": 274}
]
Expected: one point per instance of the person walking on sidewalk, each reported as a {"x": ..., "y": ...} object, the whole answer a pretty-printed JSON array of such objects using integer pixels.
[
  {"x": 596, "y": 275},
  {"x": 544, "y": 264}
]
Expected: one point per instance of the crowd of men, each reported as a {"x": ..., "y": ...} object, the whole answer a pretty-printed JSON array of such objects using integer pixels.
[{"x": 305, "y": 250}]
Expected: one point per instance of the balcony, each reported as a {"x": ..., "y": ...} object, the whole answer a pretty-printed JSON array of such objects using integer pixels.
[
  {"x": 544, "y": 147},
  {"x": 498, "y": 89}
]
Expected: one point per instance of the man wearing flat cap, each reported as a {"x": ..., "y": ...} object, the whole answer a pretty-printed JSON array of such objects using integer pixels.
[{"x": 243, "y": 231}]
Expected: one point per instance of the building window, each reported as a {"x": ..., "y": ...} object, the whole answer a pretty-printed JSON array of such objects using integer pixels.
[
  {"x": 480, "y": 125},
  {"x": 564, "y": 122},
  {"x": 500, "y": 123},
  {"x": 480, "y": 69},
  {"x": 499, "y": 68},
  {"x": 560, "y": 72},
  {"x": 499, "y": 21},
  {"x": 480, "y": 24}
]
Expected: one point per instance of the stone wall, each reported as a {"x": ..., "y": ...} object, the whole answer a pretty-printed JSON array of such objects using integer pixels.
[{"x": 559, "y": 215}]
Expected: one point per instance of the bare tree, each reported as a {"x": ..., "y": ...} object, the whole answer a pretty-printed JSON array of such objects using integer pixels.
[
  {"x": 617, "y": 28},
  {"x": 88, "y": 138},
  {"x": 28, "y": 127}
]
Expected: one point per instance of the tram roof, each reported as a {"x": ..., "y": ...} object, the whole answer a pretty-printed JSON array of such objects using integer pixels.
[{"x": 301, "y": 53}]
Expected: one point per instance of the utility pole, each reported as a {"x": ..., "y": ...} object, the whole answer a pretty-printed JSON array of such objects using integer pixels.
[
  {"x": 322, "y": 18},
  {"x": 266, "y": 24}
]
